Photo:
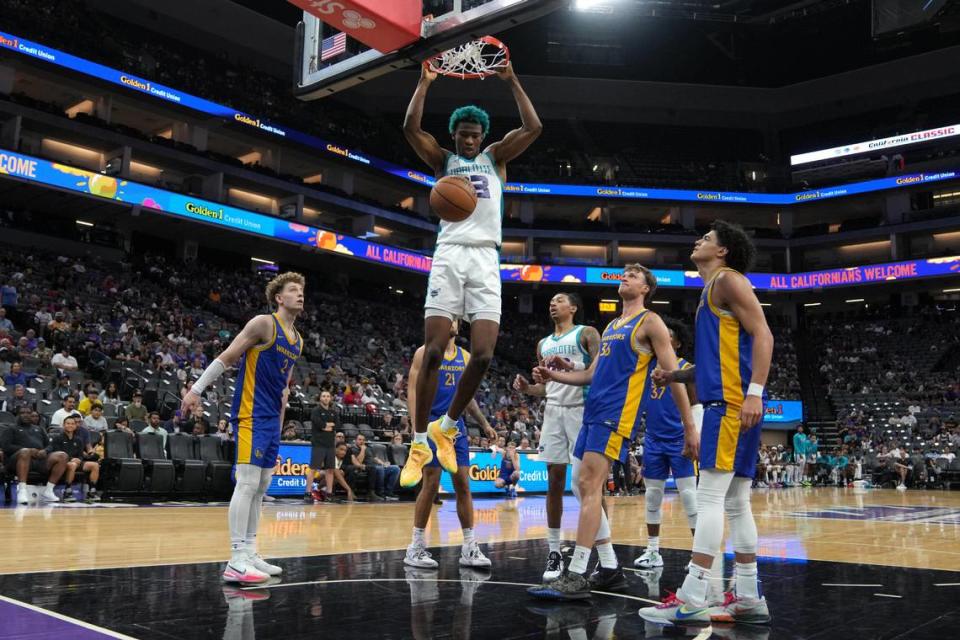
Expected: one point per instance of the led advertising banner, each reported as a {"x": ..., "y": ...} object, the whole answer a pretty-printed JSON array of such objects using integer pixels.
[
  {"x": 160, "y": 202},
  {"x": 148, "y": 87},
  {"x": 485, "y": 469},
  {"x": 293, "y": 459},
  {"x": 875, "y": 145},
  {"x": 783, "y": 412}
]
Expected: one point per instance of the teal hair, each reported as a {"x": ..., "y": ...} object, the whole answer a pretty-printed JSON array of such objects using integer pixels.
[{"x": 470, "y": 113}]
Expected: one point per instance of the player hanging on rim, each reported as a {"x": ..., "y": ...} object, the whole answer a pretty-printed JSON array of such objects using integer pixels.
[
  {"x": 733, "y": 347},
  {"x": 465, "y": 277},
  {"x": 265, "y": 352},
  {"x": 618, "y": 379},
  {"x": 663, "y": 443},
  {"x": 563, "y": 415},
  {"x": 455, "y": 362}
]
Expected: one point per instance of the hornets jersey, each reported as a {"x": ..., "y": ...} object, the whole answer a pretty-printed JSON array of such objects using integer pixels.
[
  {"x": 483, "y": 227},
  {"x": 620, "y": 378},
  {"x": 262, "y": 377},
  {"x": 450, "y": 373},
  {"x": 568, "y": 347},
  {"x": 724, "y": 352},
  {"x": 663, "y": 423}
]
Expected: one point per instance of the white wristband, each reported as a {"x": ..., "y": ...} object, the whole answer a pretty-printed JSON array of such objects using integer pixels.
[
  {"x": 579, "y": 366},
  {"x": 212, "y": 372},
  {"x": 697, "y": 411},
  {"x": 755, "y": 390}
]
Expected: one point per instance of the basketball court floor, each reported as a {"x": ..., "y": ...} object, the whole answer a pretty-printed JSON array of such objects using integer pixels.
[{"x": 833, "y": 563}]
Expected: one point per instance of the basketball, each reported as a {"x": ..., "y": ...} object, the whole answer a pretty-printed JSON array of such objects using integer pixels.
[{"x": 453, "y": 198}]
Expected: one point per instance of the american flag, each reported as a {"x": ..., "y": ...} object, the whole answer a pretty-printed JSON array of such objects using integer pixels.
[{"x": 333, "y": 46}]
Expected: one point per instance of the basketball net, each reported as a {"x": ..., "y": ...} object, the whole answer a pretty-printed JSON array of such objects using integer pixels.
[{"x": 472, "y": 60}]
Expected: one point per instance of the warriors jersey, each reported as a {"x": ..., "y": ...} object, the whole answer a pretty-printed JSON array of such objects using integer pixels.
[
  {"x": 483, "y": 227},
  {"x": 724, "y": 352},
  {"x": 620, "y": 378},
  {"x": 662, "y": 416},
  {"x": 568, "y": 347},
  {"x": 450, "y": 373},
  {"x": 263, "y": 374}
]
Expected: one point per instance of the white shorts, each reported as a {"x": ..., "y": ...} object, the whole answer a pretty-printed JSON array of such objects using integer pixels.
[
  {"x": 464, "y": 283},
  {"x": 561, "y": 426}
]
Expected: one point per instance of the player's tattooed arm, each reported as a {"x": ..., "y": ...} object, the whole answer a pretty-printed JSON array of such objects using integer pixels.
[
  {"x": 590, "y": 340},
  {"x": 518, "y": 140},
  {"x": 663, "y": 377}
]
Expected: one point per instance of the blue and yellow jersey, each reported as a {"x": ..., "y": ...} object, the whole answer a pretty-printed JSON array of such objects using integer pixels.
[
  {"x": 450, "y": 373},
  {"x": 724, "y": 352},
  {"x": 662, "y": 416},
  {"x": 263, "y": 374},
  {"x": 620, "y": 378}
]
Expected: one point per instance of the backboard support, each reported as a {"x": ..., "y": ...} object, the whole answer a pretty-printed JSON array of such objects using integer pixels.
[{"x": 314, "y": 79}]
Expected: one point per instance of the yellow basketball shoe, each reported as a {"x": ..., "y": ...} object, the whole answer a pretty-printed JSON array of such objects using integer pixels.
[
  {"x": 419, "y": 456},
  {"x": 446, "y": 454}
]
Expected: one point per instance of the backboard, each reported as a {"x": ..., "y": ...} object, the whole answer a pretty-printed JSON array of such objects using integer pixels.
[{"x": 350, "y": 62}]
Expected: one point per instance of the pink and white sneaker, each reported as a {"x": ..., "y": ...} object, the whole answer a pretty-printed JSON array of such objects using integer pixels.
[
  {"x": 741, "y": 610},
  {"x": 242, "y": 572}
]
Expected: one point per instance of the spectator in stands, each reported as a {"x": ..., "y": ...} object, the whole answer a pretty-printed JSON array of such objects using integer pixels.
[
  {"x": 90, "y": 398},
  {"x": 197, "y": 423},
  {"x": 386, "y": 476},
  {"x": 43, "y": 352},
  {"x": 18, "y": 401},
  {"x": 324, "y": 423},
  {"x": 290, "y": 432},
  {"x": 122, "y": 424},
  {"x": 111, "y": 395},
  {"x": 358, "y": 466},
  {"x": 135, "y": 410},
  {"x": 25, "y": 449},
  {"x": 6, "y": 326},
  {"x": 342, "y": 470},
  {"x": 223, "y": 430},
  {"x": 154, "y": 426},
  {"x": 62, "y": 390},
  {"x": 68, "y": 407},
  {"x": 79, "y": 456},
  {"x": 95, "y": 422},
  {"x": 64, "y": 361},
  {"x": 17, "y": 375}
]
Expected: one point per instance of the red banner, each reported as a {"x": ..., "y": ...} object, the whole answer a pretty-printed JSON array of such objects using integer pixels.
[{"x": 384, "y": 26}]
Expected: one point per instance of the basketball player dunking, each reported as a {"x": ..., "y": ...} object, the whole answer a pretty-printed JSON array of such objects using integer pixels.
[
  {"x": 465, "y": 276},
  {"x": 733, "y": 348},
  {"x": 455, "y": 362},
  {"x": 618, "y": 379},
  {"x": 563, "y": 415},
  {"x": 663, "y": 443},
  {"x": 264, "y": 352}
]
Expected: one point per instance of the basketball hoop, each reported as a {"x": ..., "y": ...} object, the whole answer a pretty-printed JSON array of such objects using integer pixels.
[{"x": 473, "y": 60}]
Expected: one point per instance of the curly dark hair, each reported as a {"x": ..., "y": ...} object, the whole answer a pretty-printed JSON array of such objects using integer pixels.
[
  {"x": 741, "y": 253},
  {"x": 575, "y": 300},
  {"x": 682, "y": 333},
  {"x": 470, "y": 113}
]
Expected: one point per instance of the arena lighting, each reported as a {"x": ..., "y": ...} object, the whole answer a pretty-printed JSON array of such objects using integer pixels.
[
  {"x": 84, "y": 223},
  {"x": 811, "y": 304},
  {"x": 766, "y": 304},
  {"x": 660, "y": 301},
  {"x": 262, "y": 260},
  {"x": 856, "y": 300},
  {"x": 592, "y": 5},
  {"x": 951, "y": 290}
]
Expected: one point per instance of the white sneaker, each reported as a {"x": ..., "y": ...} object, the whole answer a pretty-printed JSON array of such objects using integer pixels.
[
  {"x": 554, "y": 567},
  {"x": 242, "y": 571},
  {"x": 472, "y": 556},
  {"x": 47, "y": 495},
  {"x": 651, "y": 559},
  {"x": 418, "y": 556},
  {"x": 23, "y": 493},
  {"x": 262, "y": 565},
  {"x": 901, "y": 487}
]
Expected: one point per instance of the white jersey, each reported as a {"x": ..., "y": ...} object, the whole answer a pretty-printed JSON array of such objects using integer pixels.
[
  {"x": 483, "y": 227},
  {"x": 568, "y": 347}
]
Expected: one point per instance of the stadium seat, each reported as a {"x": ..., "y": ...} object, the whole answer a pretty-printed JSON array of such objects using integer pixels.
[
  {"x": 350, "y": 430},
  {"x": 378, "y": 450},
  {"x": 219, "y": 481},
  {"x": 121, "y": 472},
  {"x": 7, "y": 418},
  {"x": 190, "y": 470},
  {"x": 137, "y": 425},
  {"x": 158, "y": 472},
  {"x": 398, "y": 454}
]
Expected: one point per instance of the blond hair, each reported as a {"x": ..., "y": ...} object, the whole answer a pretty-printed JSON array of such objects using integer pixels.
[
  {"x": 276, "y": 285},
  {"x": 647, "y": 275}
]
